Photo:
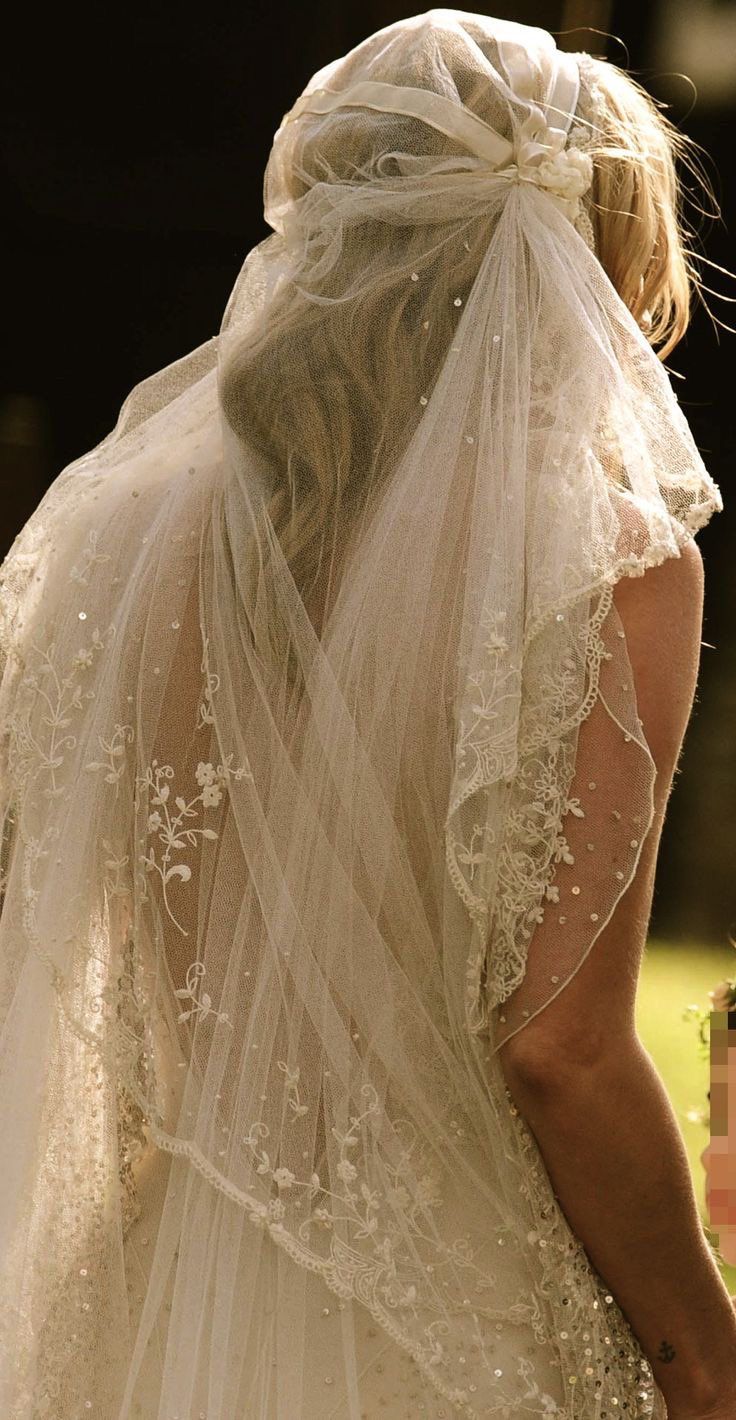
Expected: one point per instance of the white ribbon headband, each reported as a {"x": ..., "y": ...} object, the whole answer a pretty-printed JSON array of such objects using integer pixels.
[{"x": 539, "y": 155}]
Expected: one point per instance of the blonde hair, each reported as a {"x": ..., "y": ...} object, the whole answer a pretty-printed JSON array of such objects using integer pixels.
[
  {"x": 643, "y": 240},
  {"x": 331, "y": 434}
]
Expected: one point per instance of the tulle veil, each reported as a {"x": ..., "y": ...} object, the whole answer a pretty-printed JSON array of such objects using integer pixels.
[{"x": 287, "y": 853}]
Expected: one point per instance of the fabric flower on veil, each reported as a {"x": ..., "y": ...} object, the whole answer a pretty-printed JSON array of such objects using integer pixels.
[{"x": 553, "y": 160}]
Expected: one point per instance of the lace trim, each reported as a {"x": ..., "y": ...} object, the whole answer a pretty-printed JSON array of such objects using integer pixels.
[
  {"x": 561, "y": 1261},
  {"x": 347, "y": 1275},
  {"x": 526, "y": 862}
]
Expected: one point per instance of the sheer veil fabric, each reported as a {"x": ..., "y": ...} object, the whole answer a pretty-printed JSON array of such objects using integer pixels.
[{"x": 291, "y": 843}]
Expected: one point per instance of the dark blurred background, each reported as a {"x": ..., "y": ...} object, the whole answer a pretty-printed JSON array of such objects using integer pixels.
[{"x": 134, "y": 145}]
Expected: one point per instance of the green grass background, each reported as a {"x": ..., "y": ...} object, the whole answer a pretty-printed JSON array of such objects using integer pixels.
[{"x": 674, "y": 976}]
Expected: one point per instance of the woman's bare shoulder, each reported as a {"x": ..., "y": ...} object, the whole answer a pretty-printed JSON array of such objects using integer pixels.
[
  {"x": 676, "y": 576},
  {"x": 662, "y": 617}
]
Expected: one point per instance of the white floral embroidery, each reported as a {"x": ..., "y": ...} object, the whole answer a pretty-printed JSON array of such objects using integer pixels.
[
  {"x": 534, "y": 841},
  {"x": 368, "y": 1211},
  {"x": 114, "y": 748},
  {"x": 169, "y": 828},
  {"x": 90, "y": 556},
  {"x": 116, "y": 878},
  {"x": 201, "y": 1005},
  {"x": 478, "y": 750},
  {"x": 211, "y": 685},
  {"x": 33, "y": 757},
  {"x": 471, "y": 856},
  {"x": 291, "y": 1085},
  {"x": 206, "y": 717}
]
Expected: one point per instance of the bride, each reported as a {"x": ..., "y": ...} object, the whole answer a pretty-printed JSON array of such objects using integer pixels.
[{"x": 343, "y": 685}]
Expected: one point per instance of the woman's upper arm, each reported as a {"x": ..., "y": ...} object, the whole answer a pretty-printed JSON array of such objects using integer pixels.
[{"x": 661, "y": 614}]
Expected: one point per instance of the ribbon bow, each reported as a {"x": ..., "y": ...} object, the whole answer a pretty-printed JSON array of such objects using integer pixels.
[{"x": 551, "y": 159}]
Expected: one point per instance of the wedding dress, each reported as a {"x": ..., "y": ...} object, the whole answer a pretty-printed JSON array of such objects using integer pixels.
[{"x": 291, "y": 841}]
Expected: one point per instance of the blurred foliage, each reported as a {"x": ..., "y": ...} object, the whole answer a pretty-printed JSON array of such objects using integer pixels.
[{"x": 674, "y": 977}]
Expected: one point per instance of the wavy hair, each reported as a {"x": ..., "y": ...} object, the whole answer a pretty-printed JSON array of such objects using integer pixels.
[{"x": 350, "y": 373}]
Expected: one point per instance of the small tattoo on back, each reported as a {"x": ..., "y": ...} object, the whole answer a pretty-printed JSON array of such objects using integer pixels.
[{"x": 666, "y": 1352}]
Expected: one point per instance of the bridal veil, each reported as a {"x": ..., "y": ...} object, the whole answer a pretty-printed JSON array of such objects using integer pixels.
[{"x": 294, "y": 667}]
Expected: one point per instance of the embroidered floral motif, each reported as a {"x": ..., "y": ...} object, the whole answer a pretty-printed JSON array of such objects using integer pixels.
[
  {"x": 482, "y": 755},
  {"x": 114, "y": 748},
  {"x": 30, "y": 755},
  {"x": 366, "y": 1209},
  {"x": 291, "y": 1086},
  {"x": 90, "y": 557},
  {"x": 212, "y": 684},
  {"x": 201, "y": 1005},
  {"x": 532, "y": 750},
  {"x": 168, "y": 827},
  {"x": 115, "y": 865}
]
